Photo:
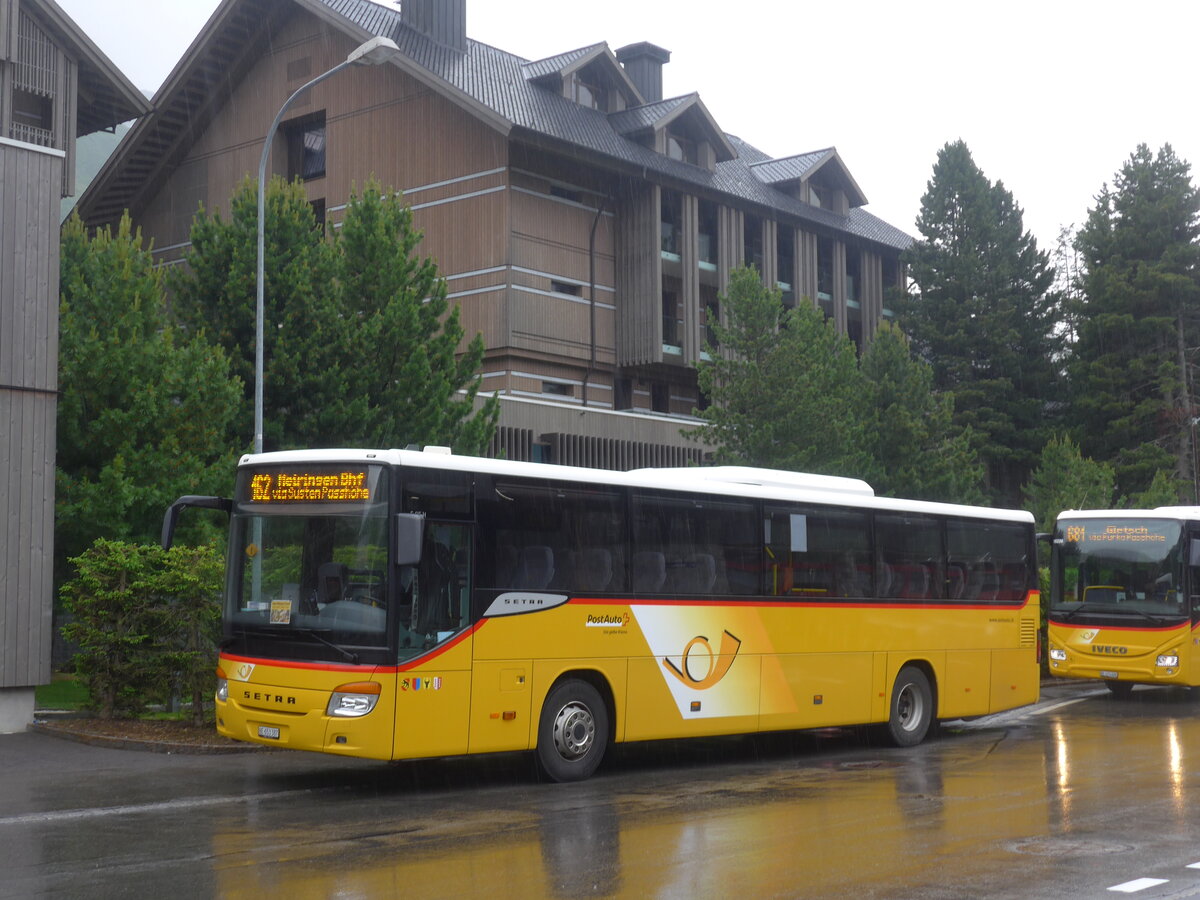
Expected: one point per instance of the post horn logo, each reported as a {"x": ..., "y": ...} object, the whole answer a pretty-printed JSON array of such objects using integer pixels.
[{"x": 718, "y": 663}]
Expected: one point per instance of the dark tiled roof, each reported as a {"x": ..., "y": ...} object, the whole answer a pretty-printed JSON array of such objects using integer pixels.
[
  {"x": 552, "y": 64},
  {"x": 642, "y": 118},
  {"x": 792, "y": 168},
  {"x": 500, "y": 81},
  {"x": 498, "y": 85}
]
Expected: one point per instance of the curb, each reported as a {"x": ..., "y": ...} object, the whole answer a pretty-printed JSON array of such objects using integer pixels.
[{"x": 92, "y": 739}]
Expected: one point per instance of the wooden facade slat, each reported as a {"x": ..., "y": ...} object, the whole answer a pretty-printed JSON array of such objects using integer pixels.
[
  {"x": 639, "y": 276},
  {"x": 30, "y": 182}
]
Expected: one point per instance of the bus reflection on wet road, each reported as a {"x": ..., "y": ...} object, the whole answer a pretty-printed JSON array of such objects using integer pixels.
[
  {"x": 1062, "y": 802},
  {"x": 1071, "y": 798}
]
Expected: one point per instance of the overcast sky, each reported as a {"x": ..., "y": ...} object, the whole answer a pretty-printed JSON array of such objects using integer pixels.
[{"x": 1051, "y": 96}]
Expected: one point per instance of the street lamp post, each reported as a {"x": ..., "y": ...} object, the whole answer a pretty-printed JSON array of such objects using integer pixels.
[{"x": 373, "y": 52}]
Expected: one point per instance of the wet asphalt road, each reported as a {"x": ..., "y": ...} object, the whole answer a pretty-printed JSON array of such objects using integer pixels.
[{"x": 1069, "y": 799}]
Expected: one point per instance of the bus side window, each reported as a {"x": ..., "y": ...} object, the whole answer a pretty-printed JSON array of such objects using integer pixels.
[{"x": 1194, "y": 573}]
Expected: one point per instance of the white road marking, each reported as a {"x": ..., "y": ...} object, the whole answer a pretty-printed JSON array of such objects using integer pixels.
[
  {"x": 1138, "y": 884},
  {"x": 95, "y": 812}
]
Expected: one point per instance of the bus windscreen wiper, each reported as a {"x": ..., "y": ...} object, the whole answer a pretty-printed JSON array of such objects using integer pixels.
[
  {"x": 347, "y": 655},
  {"x": 286, "y": 632}
]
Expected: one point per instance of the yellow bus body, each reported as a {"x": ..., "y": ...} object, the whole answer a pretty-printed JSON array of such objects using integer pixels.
[
  {"x": 1124, "y": 654},
  {"x": 670, "y": 669}
]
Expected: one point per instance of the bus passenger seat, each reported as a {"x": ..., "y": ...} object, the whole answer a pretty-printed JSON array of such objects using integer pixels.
[
  {"x": 536, "y": 569},
  {"x": 698, "y": 575},
  {"x": 595, "y": 569},
  {"x": 649, "y": 571},
  {"x": 331, "y": 582}
]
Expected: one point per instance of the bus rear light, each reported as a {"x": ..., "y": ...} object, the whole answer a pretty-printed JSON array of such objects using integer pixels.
[
  {"x": 1168, "y": 661},
  {"x": 353, "y": 700}
]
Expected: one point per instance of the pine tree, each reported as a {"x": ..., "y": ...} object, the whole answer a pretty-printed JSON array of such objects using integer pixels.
[
  {"x": 1137, "y": 316},
  {"x": 917, "y": 450},
  {"x": 144, "y": 410},
  {"x": 1065, "y": 479},
  {"x": 410, "y": 385},
  {"x": 361, "y": 348},
  {"x": 784, "y": 387},
  {"x": 984, "y": 316}
]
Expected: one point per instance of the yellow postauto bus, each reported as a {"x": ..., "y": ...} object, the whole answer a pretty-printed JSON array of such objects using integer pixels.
[
  {"x": 401, "y": 604},
  {"x": 1125, "y": 597}
]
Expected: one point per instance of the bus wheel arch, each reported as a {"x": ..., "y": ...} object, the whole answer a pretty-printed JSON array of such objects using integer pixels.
[
  {"x": 912, "y": 710},
  {"x": 575, "y": 727}
]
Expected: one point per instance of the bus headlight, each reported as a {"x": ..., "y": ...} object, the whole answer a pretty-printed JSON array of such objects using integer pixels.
[
  {"x": 1058, "y": 654},
  {"x": 222, "y": 686},
  {"x": 353, "y": 700},
  {"x": 1168, "y": 661}
]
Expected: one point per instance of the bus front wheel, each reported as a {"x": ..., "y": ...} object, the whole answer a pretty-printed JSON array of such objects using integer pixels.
[
  {"x": 911, "y": 711},
  {"x": 572, "y": 731}
]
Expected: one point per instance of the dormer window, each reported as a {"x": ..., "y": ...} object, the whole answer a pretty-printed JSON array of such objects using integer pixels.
[
  {"x": 681, "y": 148},
  {"x": 590, "y": 94}
]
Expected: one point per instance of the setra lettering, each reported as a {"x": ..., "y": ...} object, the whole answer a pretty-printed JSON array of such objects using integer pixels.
[{"x": 264, "y": 697}]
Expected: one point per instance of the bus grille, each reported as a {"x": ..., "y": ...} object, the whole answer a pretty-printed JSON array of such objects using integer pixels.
[{"x": 1028, "y": 633}]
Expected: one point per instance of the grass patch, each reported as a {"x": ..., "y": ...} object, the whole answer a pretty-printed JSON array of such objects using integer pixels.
[{"x": 64, "y": 692}]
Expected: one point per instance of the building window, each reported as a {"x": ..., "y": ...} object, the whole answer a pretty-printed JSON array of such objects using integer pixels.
[
  {"x": 590, "y": 94},
  {"x": 306, "y": 147},
  {"x": 623, "y": 394},
  {"x": 825, "y": 274},
  {"x": 671, "y": 225},
  {"x": 660, "y": 397},
  {"x": 753, "y": 244},
  {"x": 563, "y": 287},
  {"x": 785, "y": 252},
  {"x": 708, "y": 235},
  {"x": 681, "y": 148},
  {"x": 558, "y": 389},
  {"x": 318, "y": 209},
  {"x": 672, "y": 316},
  {"x": 32, "y": 117},
  {"x": 565, "y": 193}
]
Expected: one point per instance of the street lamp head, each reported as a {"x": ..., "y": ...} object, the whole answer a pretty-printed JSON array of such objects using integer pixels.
[{"x": 373, "y": 52}]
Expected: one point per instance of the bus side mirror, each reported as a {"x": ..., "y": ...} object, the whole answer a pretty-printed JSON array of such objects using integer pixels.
[
  {"x": 410, "y": 531},
  {"x": 171, "y": 519}
]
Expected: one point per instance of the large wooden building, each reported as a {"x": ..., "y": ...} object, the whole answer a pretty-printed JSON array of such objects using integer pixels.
[
  {"x": 54, "y": 85},
  {"x": 585, "y": 224}
]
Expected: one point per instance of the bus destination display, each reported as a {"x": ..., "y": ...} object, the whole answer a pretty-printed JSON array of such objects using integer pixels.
[{"x": 311, "y": 486}]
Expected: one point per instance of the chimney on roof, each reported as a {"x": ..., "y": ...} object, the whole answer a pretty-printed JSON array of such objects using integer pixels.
[
  {"x": 643, "y": 64},
  {"x": 444, "y": 21}
]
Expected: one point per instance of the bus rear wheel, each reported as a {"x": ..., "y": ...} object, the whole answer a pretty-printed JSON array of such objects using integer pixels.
[
  {"x": 911, "y": 712},
  {"x": 572, "y": 731}
]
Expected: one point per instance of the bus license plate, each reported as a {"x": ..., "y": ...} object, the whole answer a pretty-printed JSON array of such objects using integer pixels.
[
  {"x": 268, "y": 731},
  {"x": 1112, "y": 675}
]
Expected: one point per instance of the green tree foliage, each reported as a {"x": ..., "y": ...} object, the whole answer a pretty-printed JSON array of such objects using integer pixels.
[
  {"x": 1065, "y": 479},
  {"x": 408, "y": 384},
  {"x": 145, "y": 621},
  {"x": 984, "y": 316},
  {"x": 361, "y": 344},
  {"x": 784, "y": 386},
  {"x": 917, "y": 450},
  {"x": 1137, "y": 317},
  {"x": 144, "y": 410}
]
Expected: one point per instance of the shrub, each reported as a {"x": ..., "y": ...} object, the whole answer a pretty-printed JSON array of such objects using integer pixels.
[{"x": 146, "y": 623}]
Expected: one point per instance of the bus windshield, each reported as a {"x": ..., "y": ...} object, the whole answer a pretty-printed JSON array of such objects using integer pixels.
[
  {"x": 1118, "y": 565},
  {"x": 309, "y": 556}
]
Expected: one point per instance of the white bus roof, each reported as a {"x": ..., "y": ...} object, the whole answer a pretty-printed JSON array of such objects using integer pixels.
[{"x": 731, "y": 481}]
